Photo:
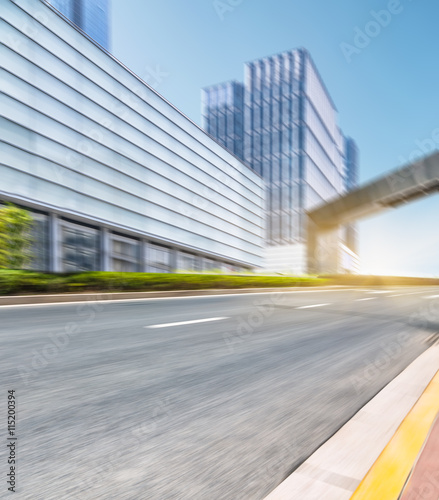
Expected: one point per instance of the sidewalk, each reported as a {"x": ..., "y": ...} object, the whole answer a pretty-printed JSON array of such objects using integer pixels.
[
  {"x": 409, "y": 464},
  {"x": 388, "y": 451},
  {"x": 424, "y": 480}
]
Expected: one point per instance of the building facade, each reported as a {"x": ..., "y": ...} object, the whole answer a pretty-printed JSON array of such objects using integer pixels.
[
  {"x": 117, "y": 178},
  {"x": 351, "y": 155},
  {"x": 289, "y": 135},
  {"x": 92, "y": 16},
  {"x": 224, "y": 116}
]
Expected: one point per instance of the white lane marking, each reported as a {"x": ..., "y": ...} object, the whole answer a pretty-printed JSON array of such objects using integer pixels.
[
  {"x": 367, "y": 298},
  {"x": 313, "y": 305},
  {"x": 142, "y": 299},
  {"x": 103, "y": 299},
  {"x": 396, "y": 294},
  {"x": 432, "y": 297},
  {"x": 411, "y": 293},
  {"x": 402, "y": 294},
  {"x": 180, "y": 323}
]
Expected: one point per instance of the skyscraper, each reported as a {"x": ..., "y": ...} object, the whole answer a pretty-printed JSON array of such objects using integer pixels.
[
  {"x": 288, "y": 133},
  {"x": 146, "y": 190},
  {"x": 351, "y": 157},
  {"x": 224, "y": 116},
  {"x": 89, "y": 15}
]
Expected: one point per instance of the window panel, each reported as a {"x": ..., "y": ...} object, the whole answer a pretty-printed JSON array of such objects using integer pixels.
[
  {"x": 79, "y": 248},
  {"x": 40, "y": 242},
  {"x": 158, "y": 259}
]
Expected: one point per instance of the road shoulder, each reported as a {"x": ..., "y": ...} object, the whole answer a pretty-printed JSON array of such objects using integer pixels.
[{"x": 338, "y": 467}]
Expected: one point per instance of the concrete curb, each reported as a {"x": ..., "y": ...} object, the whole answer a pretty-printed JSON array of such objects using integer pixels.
[
  {"x": 339, "y": 466},
  {"x": 87, "y": 297},
  {"x": 424, "y": 479},
  {"x": 388, "y": 475}
]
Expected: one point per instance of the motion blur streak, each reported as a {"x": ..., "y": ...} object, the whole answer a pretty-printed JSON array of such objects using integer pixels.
[{"x": 218, "y": 410}]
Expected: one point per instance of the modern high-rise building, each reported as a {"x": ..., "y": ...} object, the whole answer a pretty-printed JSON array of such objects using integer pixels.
[
  {"x": 116, "y": 178},
  {"x": 89, "y": 15},
  {"x": 282, "y": 123},
  {"x": 223, "y": 114},
  {"x": 351, "y": 157}
]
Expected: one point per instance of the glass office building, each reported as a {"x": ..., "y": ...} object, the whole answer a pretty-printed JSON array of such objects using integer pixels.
[
  {"x": 117, "y": 179},
  {"x": 289, "y": 135},
  {"x": 225, "y": 117},
  {"x": 92, "y": 16},
  {"x": 351, "y": 159}
]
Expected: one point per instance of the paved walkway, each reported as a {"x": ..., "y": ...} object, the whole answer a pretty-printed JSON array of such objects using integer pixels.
[
  {"x": 373, "y": 455},
  {"x": 424, "y": 481},
  {"x": 408, "y": 466}
]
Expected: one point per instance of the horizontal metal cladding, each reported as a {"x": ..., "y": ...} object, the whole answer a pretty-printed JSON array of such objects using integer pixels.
[{"x": 79, "y": 131}]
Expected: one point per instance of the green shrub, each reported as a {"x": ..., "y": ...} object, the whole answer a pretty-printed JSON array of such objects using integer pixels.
[
  {"x": 15, "y": 237},
  {"x": 23, "y": 282}
]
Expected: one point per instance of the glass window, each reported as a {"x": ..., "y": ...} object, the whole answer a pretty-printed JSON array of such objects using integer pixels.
[
  {"x": 257, "y": 146},
  {"x": 210, "y": 264},
  {"x": 257, "y": 118},
  {"x": 276, "y": 198},
  {"x": 276, "y": 113},
  {"x": 266, "y": 143},
  {"x": 64, "y": 6},
  {"x": 285, "y": 168},
  {"x": 125, "y": 249},
  {"x": 286, "y": 116},
  {"x": 95, "y": 20},
  {"x": 92, "y": 17},
  {"x": 286, "y": 197},
  {"x": 123, "y": 266},
  {"x": 40, "y": 243},
  {"x": 266, "y": 115},
  {"x": 276, "y": 227},
  {"x": 158, "y": 259},
  {"x": 188, "y": 262},
  {"x": 285, "y": 227},
  {"x": 319, "y": 97},
  {"x": 230, "y": 124},
  {"x": 79, "y": 248},
  {"x": 275, "y": 142},
  {"x": 266, "y": 170},
  {"x": 257, "y": 166},
  {"x": 124, "y": 254},
  {"x": 295, "y": 138},
  {"x": 276, "y": 170}
]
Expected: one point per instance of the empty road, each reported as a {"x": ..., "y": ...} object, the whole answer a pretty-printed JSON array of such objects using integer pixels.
[{"x": 201, "y": 398}]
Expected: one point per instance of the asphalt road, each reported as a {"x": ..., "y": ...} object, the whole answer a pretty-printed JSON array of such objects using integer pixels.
[{"x": 115, "y": 401}]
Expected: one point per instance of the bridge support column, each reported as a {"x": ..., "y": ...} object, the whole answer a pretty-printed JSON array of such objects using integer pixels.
[{"x": 323, "y": 248}]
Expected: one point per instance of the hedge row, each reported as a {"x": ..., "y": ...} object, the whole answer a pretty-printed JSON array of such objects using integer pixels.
[
  {"x": 378, "y": 281},
  {"x": 26, "y": 282}
]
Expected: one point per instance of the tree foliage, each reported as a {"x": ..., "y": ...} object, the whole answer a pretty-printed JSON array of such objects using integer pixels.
[{"x": 15, "y": 237}]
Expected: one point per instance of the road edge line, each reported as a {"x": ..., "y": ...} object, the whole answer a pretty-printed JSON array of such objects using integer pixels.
[
  {"x": 346, "y": 454},
  {"x": 388, "y": 475}
]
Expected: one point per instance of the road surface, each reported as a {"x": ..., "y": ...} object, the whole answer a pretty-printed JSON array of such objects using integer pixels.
[{"x": 197, "y": 398}]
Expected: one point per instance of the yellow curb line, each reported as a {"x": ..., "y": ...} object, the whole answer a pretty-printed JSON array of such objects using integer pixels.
[{"x": 388, "y": 475}]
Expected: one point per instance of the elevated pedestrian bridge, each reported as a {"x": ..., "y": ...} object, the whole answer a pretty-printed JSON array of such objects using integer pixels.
[{"x": 411, "y": 182}]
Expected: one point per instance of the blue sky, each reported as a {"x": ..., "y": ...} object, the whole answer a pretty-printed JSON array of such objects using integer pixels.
[{"x": 386, "y": 88}]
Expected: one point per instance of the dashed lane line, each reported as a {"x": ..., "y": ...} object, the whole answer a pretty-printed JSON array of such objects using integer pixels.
[
  {"x": 311, "y": 306},
  {"x": 191, "y": 322}
]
